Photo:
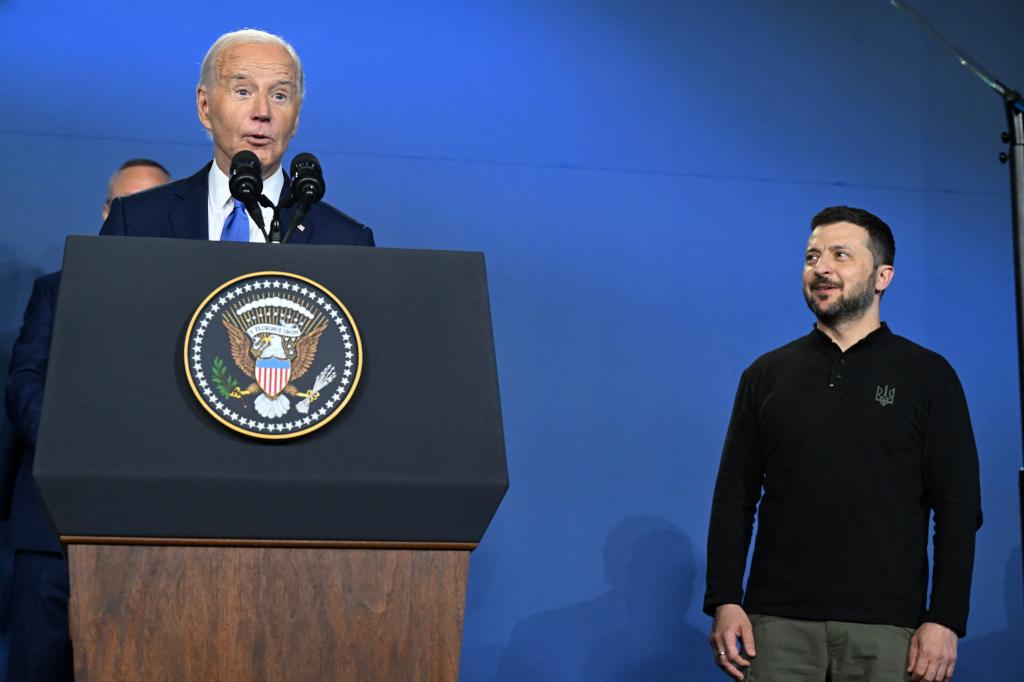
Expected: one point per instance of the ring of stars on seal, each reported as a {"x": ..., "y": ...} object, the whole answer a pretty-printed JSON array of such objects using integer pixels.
[{"x": 273, "y": 355}]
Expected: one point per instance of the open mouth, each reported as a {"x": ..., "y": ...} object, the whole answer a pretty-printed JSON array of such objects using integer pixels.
[{"x": 258, "y": 140}]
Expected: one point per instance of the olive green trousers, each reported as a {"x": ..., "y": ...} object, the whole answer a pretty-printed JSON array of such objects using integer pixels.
[{"x": 790, "y": 650}]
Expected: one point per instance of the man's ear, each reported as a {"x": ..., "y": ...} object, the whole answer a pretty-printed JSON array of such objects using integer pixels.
[
  {"x": 203, "y": 106},
  {"x": 883, "y": 277}
]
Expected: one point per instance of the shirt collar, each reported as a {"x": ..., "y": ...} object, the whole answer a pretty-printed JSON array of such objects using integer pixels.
[
  {"x": 872, "y": 339},
  {"x": 220, "y": 193}
]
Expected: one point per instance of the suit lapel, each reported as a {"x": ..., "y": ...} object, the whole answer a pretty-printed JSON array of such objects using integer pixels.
[
  {"x": 190, "y": 215},
  {"x": 298, "y": 236}
]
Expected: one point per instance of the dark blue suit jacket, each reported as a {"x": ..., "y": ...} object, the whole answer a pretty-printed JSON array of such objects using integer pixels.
[
  {"x": 178, "y": 209},
  {"x": 30, "y": 527}
]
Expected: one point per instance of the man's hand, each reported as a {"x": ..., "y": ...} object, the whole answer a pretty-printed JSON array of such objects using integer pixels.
[
  {"x": 731, "y": 623},
  {"x": 932, "y": 653}
]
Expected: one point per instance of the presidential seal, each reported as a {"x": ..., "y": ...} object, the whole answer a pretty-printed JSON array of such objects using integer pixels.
[{"x": 272, "y": 355}]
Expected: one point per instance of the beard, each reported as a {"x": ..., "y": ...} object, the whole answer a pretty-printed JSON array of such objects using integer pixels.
[{"x": 846, "y": 308}]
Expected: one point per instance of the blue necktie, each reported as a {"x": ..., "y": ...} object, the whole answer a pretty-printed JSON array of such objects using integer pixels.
[{"x": 236, "y": 227}]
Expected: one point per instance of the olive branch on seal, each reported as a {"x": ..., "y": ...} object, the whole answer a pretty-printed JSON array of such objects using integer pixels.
[{"x": 222, "y": 381}]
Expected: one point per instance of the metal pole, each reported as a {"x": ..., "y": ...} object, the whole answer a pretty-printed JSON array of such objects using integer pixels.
[{"x": 1014, "y": 136}]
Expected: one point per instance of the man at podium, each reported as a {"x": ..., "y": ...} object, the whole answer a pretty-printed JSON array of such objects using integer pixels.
[
  {"x": 249, "y": 95},
  {"x": 248, "y": 98}
]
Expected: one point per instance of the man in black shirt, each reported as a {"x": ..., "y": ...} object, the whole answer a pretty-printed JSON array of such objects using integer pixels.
[{"x": 847, "y": 440}]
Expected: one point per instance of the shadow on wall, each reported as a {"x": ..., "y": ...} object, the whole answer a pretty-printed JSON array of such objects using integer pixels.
[
  {"x": 636, "y": 630},
  {"x": 977, "y": 653}
]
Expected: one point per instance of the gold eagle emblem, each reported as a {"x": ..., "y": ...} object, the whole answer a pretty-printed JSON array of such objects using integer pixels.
[{"x": 274, "y": 346}]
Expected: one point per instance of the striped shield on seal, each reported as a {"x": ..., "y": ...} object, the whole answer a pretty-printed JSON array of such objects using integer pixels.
[{"x": 272, "y": 375}]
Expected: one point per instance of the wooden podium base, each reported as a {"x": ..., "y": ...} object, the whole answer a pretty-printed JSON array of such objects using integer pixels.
[{"x": 227, "y": 613}]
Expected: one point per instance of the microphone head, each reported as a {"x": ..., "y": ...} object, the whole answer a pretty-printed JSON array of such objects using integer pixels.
[
  {"x": 246, "y": 177},
  {"x": 308, "y": 185}
]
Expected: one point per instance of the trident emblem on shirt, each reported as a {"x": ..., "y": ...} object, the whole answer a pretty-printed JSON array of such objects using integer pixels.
[{"x": 885, "y": 395}]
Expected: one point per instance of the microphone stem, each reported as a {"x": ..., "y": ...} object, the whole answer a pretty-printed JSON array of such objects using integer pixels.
[
  {"x": 275, "y": 222},
  {"x": 275, "y": 228},
  {"x": 300, "y": 213}
]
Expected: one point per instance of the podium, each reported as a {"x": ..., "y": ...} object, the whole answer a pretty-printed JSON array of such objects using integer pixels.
[{"x": 201, "y": 553}]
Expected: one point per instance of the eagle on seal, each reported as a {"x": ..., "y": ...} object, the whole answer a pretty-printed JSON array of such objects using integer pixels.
[{"x": 273, "y": 362}]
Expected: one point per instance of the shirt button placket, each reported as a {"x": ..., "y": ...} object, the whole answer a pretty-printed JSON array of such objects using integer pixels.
[{"x": 837, "y": 373}]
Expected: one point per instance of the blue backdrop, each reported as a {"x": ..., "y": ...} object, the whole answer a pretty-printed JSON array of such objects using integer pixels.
[{"x": 640, "y": 176}]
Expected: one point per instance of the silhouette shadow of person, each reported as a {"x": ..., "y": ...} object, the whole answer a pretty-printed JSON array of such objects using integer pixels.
[
  {"x": 636, "y": 630},
  {"x": 992, "y": 657}
]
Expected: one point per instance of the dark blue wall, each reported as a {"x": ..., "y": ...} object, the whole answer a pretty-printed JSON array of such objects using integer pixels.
[{"x": 640, "y": 176}]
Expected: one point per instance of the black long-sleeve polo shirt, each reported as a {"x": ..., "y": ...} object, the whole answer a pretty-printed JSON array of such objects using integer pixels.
[{"x": 847, "y": 453}]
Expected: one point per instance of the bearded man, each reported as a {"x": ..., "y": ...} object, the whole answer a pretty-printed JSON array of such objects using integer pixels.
[{"x": 844, "y": 442}]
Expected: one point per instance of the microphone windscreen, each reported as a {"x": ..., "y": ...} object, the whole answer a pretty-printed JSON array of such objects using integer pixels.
[
  {"x": 246, "y": 177},
  {"x": 308, "y": 185}
]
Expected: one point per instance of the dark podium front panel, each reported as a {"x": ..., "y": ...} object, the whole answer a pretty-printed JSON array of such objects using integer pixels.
[{"x": 125, "y": 449}]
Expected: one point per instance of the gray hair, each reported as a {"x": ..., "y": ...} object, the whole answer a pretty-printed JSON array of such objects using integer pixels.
[{"x": 208, "y": 75}]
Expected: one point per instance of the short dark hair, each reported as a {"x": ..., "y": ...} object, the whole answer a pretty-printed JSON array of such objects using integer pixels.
[
  {"x": 132, "y": 163},
  {"x": 880, "y": 239}
]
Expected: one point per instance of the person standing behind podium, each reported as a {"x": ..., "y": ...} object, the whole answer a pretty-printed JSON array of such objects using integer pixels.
[
  {"x": 249, "y": 96},
  {"x": 39, "y": 645},
  {"x": 134, "y": 175}
]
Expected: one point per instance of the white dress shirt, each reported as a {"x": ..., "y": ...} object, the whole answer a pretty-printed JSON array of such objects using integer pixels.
[{"x": 220, "y": 203}]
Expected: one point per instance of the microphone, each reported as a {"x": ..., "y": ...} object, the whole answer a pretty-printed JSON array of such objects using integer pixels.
[
  {"x": 246, "y": 183},
  {"x": 307, "y": 187},
  {"x": 307, "y": 180}
]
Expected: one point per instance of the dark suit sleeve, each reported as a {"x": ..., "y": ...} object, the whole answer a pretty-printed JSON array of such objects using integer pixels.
[
  {"x": 10, "y": 460},
  {"x": 327, "y": 225},
  {"x": 29, "y": 359},
  {"x": 115, "y": 222},
  {"x": 365, "y": 237}
]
